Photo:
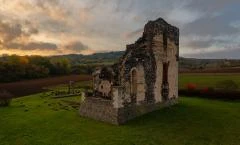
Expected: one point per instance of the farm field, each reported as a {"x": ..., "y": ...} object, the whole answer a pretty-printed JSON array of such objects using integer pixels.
[
  {"x": 29, "y": 87},
  {"x": 207, "y": 79},
  {"x": 39, "y": 119}
]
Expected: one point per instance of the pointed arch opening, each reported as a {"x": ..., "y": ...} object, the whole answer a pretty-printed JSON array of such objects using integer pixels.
[
  {"x": 134, "y": 82},
  {"x": 165, "y": 84}
]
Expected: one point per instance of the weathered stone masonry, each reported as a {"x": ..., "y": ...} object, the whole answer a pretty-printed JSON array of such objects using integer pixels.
[{"x": 144, "y": 79}]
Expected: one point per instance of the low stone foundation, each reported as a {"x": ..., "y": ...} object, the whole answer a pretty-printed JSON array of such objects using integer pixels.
[
  {"x": 103, "y": 110},
  {"x": 99, "y": 109},
  {"x": 130, "y": 112}
]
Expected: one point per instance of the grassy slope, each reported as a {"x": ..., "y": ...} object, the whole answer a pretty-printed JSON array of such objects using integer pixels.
[
  {"x": 40, "y": 120},
  {"x": 207, "y": 80}
]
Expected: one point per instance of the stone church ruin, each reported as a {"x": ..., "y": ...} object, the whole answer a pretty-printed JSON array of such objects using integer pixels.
[{"x": 144, "y": 79}]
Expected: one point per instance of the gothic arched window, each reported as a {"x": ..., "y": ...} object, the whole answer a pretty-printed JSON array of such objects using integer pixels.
[
  {"x": 134, "y": 82},
  {"x": 165, "y": 40}
]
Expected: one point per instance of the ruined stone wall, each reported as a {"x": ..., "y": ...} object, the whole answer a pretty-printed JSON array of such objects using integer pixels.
[
  {"x": 105, "y": 87},
  {"x": 160, "y": 57},
  {"x": 121, "y": 94},
  {"x": 141, "y": 85},
  {"x": 168, "y": 53},
  {"x": 99, "y": 109},
  {"x": 158, "y": 45},
  {"x": 132, "y": 111},
  {"x": 150, "y": 52},
  {"x": 118, "y": 95},
  {"x": 103, "y": 80},
  {"x": 166, "y": 56},
  {"x": 140, "y": 54},
  {"x": 173, "y": 70},
  {"x": 103, "y": 110}
]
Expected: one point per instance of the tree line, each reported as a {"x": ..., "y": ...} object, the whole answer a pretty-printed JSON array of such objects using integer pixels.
[{"x": 15, "y": 68}]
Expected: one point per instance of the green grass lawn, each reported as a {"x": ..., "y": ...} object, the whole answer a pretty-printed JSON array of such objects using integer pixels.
[
  {"x": 40, "y": 120},
  {"x": 80, "y": 85},
  {"x": 207, "y": 80}
]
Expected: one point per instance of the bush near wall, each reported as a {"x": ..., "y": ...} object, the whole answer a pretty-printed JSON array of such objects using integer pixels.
[
  {"x": 191, "y": 86},
  {"x": 212, "y": 93},
  {"x": 227, "y": 85},
  {"x": 5, "y": 98}
]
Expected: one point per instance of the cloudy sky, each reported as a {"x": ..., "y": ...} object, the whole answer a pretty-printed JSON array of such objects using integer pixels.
[{"x": 208, "y": 28}]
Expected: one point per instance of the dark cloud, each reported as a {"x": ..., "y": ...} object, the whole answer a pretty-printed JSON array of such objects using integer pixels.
[
  {"x": 33, "y": 31},
  {"x": 12, "y": 31},
  {"x": 40, "y": 46},
  {"x": 126, "y": 6},
  {"x": 32, "y": 46},
  {"x": 204, "y": 43},
  {"x": 9, "y": 32},
  {"x": 53, "y": 16},
  {"x": 46, "y": 4},
  {"x": 103, "y": 23},
  {"x": 76, "y": 46},
  {"x": 213, "y": 26},
  {"x": 54, "y": 26},
  {"x": 92, "y": 4},
  {"x": 137, "y": 32},
  {"x": 212, "y": 5},
  {"x": 199, "y": 44},
  {"x": 222, "y": 54}
]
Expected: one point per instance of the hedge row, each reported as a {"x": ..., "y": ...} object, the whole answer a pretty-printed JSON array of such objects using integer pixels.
[
  {"x": 213, "y": 94},
  {"x": 5, "y": 98}
]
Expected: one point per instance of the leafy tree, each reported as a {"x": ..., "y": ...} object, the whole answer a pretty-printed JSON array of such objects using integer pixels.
[{"x": 60, "y": 66}]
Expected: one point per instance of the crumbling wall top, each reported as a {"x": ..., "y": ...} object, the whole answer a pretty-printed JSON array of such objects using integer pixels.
[{"x": 160, "y": 26}]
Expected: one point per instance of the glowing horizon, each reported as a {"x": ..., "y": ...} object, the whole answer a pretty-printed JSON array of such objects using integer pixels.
[{"x": 58, "y": 27}]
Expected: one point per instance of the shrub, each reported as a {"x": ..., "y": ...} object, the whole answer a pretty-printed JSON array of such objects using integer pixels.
[
  {"x": 5, "y": 98},
  {"x": 227, "y": 85},
  {"x": 205, "y": 90},
  {"x": 212, "y": 94},
  {"x": 211, "y": 89},
  {"x": 87, "y": 87},
  {"x": 191, "y": 86}
]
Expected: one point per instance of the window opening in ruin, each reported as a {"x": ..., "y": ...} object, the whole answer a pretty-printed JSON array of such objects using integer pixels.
[
  {"x": 134, "y": 82},
  {"x": 165, "y": 85},
  {"x": 165, "y": 40}
]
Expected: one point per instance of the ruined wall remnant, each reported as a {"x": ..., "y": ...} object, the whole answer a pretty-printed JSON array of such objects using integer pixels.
[{"x": 145, "y": 77}]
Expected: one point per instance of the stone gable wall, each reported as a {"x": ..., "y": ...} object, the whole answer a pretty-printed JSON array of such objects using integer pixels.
[{"x": 147, "y": 56}]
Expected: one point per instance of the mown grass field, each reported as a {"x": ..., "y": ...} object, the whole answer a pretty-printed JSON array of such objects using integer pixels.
[
  {"x": 41, "y": 120},
  {"x": 207, "y": 79}
]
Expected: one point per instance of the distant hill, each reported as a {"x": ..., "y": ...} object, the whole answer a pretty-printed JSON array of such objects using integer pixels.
[
  {"x": 97, "y": 58},
  {"x": 193, "y": 63},
  {"x": 85, "y": 64},
  {"x": 109, "y": 58}
]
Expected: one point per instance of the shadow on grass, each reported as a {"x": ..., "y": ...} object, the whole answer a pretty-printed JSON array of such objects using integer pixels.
[{"x": 180, "y": 114}]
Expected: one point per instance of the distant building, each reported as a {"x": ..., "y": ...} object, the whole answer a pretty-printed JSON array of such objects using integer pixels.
[{"x": 144, "y": 79}]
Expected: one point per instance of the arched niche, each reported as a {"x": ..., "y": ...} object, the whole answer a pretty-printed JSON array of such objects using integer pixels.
[{"x": 133, "y": 82}]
